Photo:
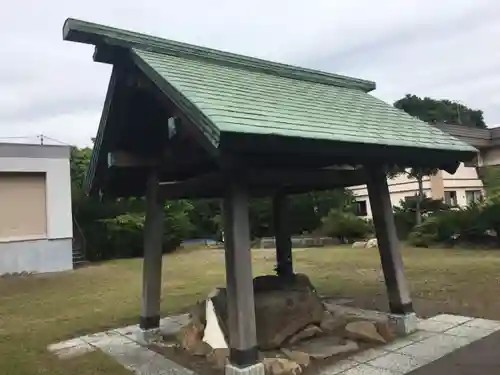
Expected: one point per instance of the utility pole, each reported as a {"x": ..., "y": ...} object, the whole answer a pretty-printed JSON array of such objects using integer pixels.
[
  {"x": 458, "y": 114},
  {"x": 41, "y": 139}
]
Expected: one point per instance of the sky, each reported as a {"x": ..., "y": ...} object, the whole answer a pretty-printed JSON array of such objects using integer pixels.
[{"x": 438, "y": 48}]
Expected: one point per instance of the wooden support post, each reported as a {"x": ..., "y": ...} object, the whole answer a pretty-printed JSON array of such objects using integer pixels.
[
  {"x": 239, "y": 280},
  {"x": 284, "y": 260},
  {"x": 388, "y": 243},
  {"x": 152, "y": 264}
]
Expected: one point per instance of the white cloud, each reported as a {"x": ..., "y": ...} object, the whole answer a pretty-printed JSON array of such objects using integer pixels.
[{"x": 430, "y": 48}]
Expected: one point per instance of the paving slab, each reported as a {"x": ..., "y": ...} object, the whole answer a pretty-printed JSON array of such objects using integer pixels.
[
  {"x": 481, "y": 357},
  {"x": 444, "y": 344}
]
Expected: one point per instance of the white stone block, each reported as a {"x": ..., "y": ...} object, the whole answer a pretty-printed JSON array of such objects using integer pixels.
[
  {"x": 66, "y": 344},
  {"x": 369, "y": 370},
  {"x": 368, "y": 355},
  {"x": 452, "y": 319},
  {"x": 338, "y": 367},
  {"x": 484, "y": 323},
  {"x": 435, "y": 326},
  {"x": 434, "y": 347},
  {"x": 398, "y": 362},
  {"x": 257, "y": 369},
  {"x": 403, "y": 324},
  {"x": 474, "y": 333},
  {"x": 408, "y": 340},
  {"x": 74, "y": 352}
]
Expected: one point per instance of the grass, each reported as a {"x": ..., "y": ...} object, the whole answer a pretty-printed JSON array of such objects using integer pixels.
[{"x": 38, "y": 310}]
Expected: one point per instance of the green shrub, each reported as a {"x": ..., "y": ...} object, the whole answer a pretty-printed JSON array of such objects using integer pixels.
[
  {"x": 491, "y": 216},
  {"x": 345, "y": 226},
  {"x": 420, "y": 239},
  {"x": 405, "y": 214},
  {"x": 425, "y": 234},
  {"x": 114, "y": 229},
  {"x": 469, "y": 225}
]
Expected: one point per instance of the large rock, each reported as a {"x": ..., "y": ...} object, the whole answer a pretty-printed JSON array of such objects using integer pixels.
[
  {"x": 359, "y": 244},
  {"x": 218, "y": 358},
  {"x": 306, "y": 333},
  {"x": 298, "y": 281},
  {"x": 365, "y": 331},
  {"x": 197, "y": 313},
  {"x": 301, "y": 358},
  {"x": 190, "y": 336},
  {"x": 281, "y": 366},
  {"x": 331, "y": 322},
  {"x": 283, "y": 307},
  {"x": 384, "y": 329},
  {"x": 201, "y": 349}
]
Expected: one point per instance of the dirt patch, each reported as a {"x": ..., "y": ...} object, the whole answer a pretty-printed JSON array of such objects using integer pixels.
[{"x": 200, "y": 365}]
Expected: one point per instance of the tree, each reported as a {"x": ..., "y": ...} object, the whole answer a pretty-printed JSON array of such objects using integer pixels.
[
  {"x": 417, "y": 174},
  {"x": 305, "y": 212},
  {"x": 114, "y": 228},
  {"x": 441, "y": 111},
  {"x": 491, "y": 182},
  {"x": 434, "y": 111},
  {"x": 345, "y": 226}
]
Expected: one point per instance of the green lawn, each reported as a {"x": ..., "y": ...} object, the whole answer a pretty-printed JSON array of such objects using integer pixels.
[{"x": 38, "y": 310}]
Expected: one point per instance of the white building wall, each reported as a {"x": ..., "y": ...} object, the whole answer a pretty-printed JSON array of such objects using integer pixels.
[
  {"x": 465, "y": 179},
  {"x": 54, "y": 251},
  {"x": 400, "y": 187}
]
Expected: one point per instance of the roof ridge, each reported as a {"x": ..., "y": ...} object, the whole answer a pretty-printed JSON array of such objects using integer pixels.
[{"x": 92, "y": 33}]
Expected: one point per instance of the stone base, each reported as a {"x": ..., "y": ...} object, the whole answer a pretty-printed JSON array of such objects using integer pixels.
[
  {"x": 257, "y": 369},
  {"x": 403, "y": 324},
  {"x": 147, "y": 336}
]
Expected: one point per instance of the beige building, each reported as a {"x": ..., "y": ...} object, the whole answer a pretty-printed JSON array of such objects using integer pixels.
[
  {"x": 458, "y": 189},
  {"x": 36, "y": 227}
]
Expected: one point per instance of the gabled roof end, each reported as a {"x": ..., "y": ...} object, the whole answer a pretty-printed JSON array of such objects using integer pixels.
[{"x": 90, "y": 33}]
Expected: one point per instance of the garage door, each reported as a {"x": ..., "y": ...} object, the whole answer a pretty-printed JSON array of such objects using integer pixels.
[{"x": 22, "y": 206}]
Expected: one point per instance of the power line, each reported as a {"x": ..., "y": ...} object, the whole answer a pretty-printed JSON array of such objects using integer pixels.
[
  {"x": 43, "y": 137},
  {"x": 36, "y": 138},
  {"x": 19, "y": 137}
]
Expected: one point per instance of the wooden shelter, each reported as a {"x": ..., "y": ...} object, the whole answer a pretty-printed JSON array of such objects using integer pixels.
[{"x": 181, "y": 121}]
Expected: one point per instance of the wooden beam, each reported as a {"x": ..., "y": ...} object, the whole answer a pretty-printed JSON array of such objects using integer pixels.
[
  {"x": 191, "y": 117},
  {"x": 262, "y": 182},
  {"x": 108, "y": 54},
  {"x": 239, "y": 279},
  {"x": 123, "y": 159},
  {"x": 284, "y": 260},
  {"x": 388, "y": 242},
  {"x": 152, "y": 264},
  {"x": 92, "y": 177}
]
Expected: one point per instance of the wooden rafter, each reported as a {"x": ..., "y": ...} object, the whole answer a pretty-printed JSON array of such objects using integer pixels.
[{"x": 262, "y": 182}]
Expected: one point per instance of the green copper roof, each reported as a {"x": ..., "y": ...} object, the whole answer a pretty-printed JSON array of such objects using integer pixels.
[
  {"x": 233, "y": 99},
  {"x": 228, "y": 93}
]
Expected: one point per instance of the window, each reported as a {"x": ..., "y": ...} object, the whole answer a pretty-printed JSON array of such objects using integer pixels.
[
  {"x": 472, "y": 196},
  {"x": 22, "y": 202},
  {"x": 360, "y": 208},
  {"x": 450, "y": 198}
]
